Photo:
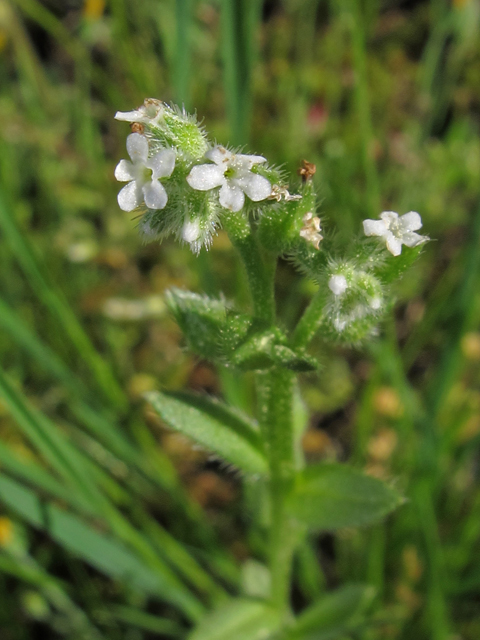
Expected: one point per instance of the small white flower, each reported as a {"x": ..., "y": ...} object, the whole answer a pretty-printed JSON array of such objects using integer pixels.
[
  {"x": 143, "y": 175},
  {"x": 311, "y": 229},
  {"x": 149, "y": 113},
  {"x": 338, "y": 284},
  {"x": 396, "y": 230},
  {"x": 232, "y": 173}
]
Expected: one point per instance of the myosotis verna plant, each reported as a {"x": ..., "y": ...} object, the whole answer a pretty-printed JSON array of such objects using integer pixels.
[{"x": 179, "y": 183}]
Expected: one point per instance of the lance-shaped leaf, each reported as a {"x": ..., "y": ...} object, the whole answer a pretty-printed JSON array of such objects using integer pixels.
[
  {"x": 239, "y": 619},
  {"x": 333, "y": 496},
  {"x": 214, "y": 426},
  {"x": 334, "y": 615}
]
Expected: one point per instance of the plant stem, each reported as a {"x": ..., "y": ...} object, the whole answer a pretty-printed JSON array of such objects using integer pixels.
[
  {"x": 276, "y": 397},
  {"x": 260, "y": 268},
  {"x": 275, "y": 401},
  {"x": 309, "y": 323}
]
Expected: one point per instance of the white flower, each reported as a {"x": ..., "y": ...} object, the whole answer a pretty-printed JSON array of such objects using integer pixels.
[
  {"x": 338, "y": 284},
  {"x": 396, "y": 230},
  {"x": 149, "y": 113},
  {"x": 311, "y": 229},
  {"x": 232, "y": 173},
  {"x": 143, "y": 175}
]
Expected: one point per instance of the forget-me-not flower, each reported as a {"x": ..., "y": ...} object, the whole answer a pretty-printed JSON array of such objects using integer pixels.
[
  {"x": 232, "y": 173},
  {"x": 396, "y": 230},
  {"x": 143, "y": 175}
]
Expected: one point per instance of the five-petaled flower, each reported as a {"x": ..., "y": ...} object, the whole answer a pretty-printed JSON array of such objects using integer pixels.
[
  {"x": 396, "y": 230},
  {"x": 232, "y": 173},
  {"x": 143, "y": 175}
]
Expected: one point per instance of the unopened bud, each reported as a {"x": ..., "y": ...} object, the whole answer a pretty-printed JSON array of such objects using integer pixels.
[{"x": 338, "y": 284}]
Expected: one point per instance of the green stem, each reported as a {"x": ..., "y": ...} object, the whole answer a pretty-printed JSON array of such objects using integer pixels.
[
  {"x": 310, "y": 322},
  {"x": 276, "y": 397},
  {"x": 260, "y": 268}
]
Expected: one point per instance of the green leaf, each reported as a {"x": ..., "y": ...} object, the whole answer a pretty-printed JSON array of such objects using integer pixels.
[
  {"x": 214, "y": 426},
  {"x": 265, "y": 349},
  {"x": 332, "y": 496},
  {"x": 239, "y": 619},
  {"x": 333, "y": 615},
  {"x": 200, "y": 318},
  {"x": 100, "y": 550},
  {"x": 297, "y": 361}
]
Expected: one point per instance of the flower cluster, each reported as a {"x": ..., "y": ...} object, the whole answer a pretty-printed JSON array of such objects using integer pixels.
[
  {"x": 171, "y": 185},
  {"x": 182, "y": 184},
  {"x": 357, "y": 301}
]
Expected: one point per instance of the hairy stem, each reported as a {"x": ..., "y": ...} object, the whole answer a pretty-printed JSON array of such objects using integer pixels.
[
  {"x": 275, "y": 392},
  {"x": 260, "y": 268},
  {"x": 275, "y": 399}
]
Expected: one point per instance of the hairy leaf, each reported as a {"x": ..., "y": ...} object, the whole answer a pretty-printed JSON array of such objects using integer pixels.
[
  {"x": 332, "y": 496},
  {"x": 239, "y": 619},
  {"x": 214, "y": 426},
  {"x": 333, "y": 615}
]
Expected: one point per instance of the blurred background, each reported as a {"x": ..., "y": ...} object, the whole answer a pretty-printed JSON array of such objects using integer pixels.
[{"x": 384, "y": 97}]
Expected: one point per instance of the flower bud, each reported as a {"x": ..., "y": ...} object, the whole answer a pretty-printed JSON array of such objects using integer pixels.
[{"x": 356, "y": 302}]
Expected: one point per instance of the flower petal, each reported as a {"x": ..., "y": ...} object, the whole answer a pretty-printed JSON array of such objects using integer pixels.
[
  {"x": 137, "y": 147},
  {"x": 374, "y": 227},
  {"x": 219, "y": 155},
  {"x": 389, "y": 217},
  {"x": 231, "y": 197},
  {"x": 162, "y": 164},
  {"x": 250, "y": 160},
  {"x": 155, "y": 195},
  {"x": 205, "y": 177},
  {"x": 256, "y": 187},
  {"x": 124, "y": 171},
  {"x": 394, "y": 245},
  {"x": 412, "y": 239},
  {"x": 411, "y": 221},
  {"x": 338, "y": 284},
  {"x": 129, "y": 197},
  {"x": 191, "y": 230},
  {"x": 137, "y": 115}
]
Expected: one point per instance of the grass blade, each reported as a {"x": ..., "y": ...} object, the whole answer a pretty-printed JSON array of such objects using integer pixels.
[
  {"x": 58, "y": 307},
  {"x": 99, "y": 550}
]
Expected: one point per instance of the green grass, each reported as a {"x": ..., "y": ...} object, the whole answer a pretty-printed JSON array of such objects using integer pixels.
[{"x": 384, "y": 99}]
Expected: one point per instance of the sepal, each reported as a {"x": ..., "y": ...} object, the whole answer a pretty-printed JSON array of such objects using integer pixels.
[{"x": 281, "y": 222}]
